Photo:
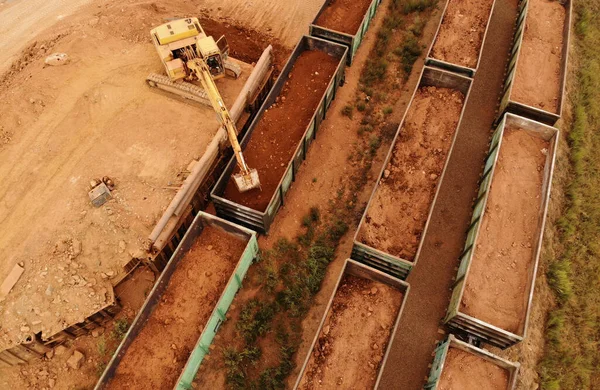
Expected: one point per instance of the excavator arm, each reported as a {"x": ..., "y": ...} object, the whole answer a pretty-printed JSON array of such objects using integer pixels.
[{"x": 247, "y": 179}]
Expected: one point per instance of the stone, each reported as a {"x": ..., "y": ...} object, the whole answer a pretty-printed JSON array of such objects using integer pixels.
[
  {"x": 75, "y": 360},
  {"x": 57, "y": 59},
  {"x": 50, "y": 354},
  {"x": 122, "y": 246},
  {"x": 433, "y": 176},
  {"x": 326, "y": 330},
  {"x": 49, "y": 290},
  {"x": 76, "y": 248},
  {"x": 60, "y": 350},
  {"x": 374, "y": 291},
  {"x": 25, "y": 329},
  {"x": 98, "y": 332},
  {"x": 51, "y": 383}
]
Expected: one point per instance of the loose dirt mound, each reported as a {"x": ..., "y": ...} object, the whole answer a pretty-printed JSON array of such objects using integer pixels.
[
  {"x": 157, "y": 356},
  {"x": 276, "y": 137},
  {"x": 461, "y": 33},
  {"x": 538, "y": 79},
  {"x": 354, "y": 337},
  {"x": 466, "y": 371},
  {"x": 398, "y": 212},
  {"x": 344, "y": 15},
  {"x": 499, "y": 279},
  {"x": 287, "y": 20}
]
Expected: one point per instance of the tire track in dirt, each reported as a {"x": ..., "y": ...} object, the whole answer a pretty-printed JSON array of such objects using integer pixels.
[{"x": 410, "y": 355}]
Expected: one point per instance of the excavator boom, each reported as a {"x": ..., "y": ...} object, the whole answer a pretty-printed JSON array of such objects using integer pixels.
[{"x": 247, "y": 178}]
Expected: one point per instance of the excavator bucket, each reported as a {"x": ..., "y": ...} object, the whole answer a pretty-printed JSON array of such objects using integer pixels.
[{"x": 248, "y": 181}]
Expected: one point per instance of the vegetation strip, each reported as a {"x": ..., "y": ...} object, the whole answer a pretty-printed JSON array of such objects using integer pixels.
[
  {"x": 572, "y": 334},
  {"x": 290, "y": 274}
]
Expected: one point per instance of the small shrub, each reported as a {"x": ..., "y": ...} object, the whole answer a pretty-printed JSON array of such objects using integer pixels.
[
  {"x": 100, "y": 368},
  {"x": 409, "y": 51},
  {"x": 120, "y": 329},
  {"x": 374, "y": 143},
  {"x": 337, "y": 229},
  {"x": 101, "y": 346},
  {"x": 347, "y": 111},
  {"x": 417, "y": 27},
  {"x": 374, "y": 71},
  {"x": 361, "y": 106},
  {"x": 410, "y": 6},
  {"x": 388, "y": 110}
]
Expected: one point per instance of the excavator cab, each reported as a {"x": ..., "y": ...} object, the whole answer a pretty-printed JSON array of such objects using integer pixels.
[{"x": 215, "y": 65}]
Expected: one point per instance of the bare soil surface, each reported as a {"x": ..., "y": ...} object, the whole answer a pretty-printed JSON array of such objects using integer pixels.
[
  {"x": 431, "y": 280},
  {"x": 538, "y": 76},
  {"x": 63, "y": 126},
  {"x": 460, "y": 38},
  {"x": 344, "y": 15},
  {"x": 135, "y": 288},
  {"x": 467, "y": 371},
  {"x": 276, "y": 137},
  {"x": 157, "y": 356},
  {"x": 499, "y": 280},
  {"x": 286, "y": 20},
  {"x": 23, "y": 20},
  {"x": 398, "y": 212},
  {"x": 354, "y": 337}
]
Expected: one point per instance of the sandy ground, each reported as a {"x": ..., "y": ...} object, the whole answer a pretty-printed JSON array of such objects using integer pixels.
[
  {"x": 157, "y": 356},
  {"x": 354, "y": 337},
  {"x": 276, "y": 137},
  {"x": 461, "y": 33},
  {"x": 399, "y": 209},
  {"x": 536, "y": 85},
  {"x": 66, "y": 125},
  {"x": 467, "y": 371},
  {"x": 499, "y": 281},
  {"x": 23, "y": 20},
  {"x": 344, "y": 15}
]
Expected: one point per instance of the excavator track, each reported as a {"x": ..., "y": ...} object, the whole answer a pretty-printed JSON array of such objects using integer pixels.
[
  {"x": 180, "y": 88},
  {"x": 232, "y": 69}
]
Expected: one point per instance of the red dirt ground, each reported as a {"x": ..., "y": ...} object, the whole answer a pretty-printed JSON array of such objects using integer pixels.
[
  {"x": 157, "y": 356},
  {"x": 276, "y": 137},
  {"x": 499, "y": 280},
  {"x": 354, "y": 338},
  {"x": 344, "y": 15},
  {"x": 398, "y": 212},
  {"x": 467, "y": 371}
]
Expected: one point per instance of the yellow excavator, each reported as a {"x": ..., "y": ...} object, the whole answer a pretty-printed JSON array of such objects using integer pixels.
[{"x": 189, "y": 55}]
